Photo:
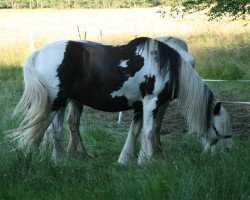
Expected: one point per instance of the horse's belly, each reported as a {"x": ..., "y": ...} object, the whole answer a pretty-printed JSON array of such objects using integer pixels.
[{"x": 105, "y": 103}]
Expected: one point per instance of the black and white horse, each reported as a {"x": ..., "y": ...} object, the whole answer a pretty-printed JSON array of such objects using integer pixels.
[
  {"x": 76, "y": 145},
  {"x": 144, "y": 75}
]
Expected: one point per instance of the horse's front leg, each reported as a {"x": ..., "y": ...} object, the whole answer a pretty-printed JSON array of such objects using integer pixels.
[
  {"x": 149, "y": 130},
  {"x": 127, "y": 154},
  {"x": 76, "y": 145}
]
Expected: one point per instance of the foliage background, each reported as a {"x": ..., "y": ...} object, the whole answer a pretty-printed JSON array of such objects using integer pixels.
[{"x": 83, "y": 3}]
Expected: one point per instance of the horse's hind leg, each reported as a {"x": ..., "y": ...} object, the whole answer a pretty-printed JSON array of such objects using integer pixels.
[
  {"x": 127, "y": 154},
  {"x": 47, "y": 143},
  {"x": 76, "y": 145},
  {"x": 52, "y": 140},
  {"x": 35, "y": 144},
  {"x": 57, "y": 126}
]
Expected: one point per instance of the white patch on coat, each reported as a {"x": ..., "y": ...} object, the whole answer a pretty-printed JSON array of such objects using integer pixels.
[
  {"x": 47, "y": 63},
  {"x": 123, "y": 63},
  {"x": 131, "y": 87}
]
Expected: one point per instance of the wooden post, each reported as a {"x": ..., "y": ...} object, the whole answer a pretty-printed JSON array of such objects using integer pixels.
[
  {"x": 119, "y": 118},
  {"x": 79, "y": 32},
  {"x": 101, "y": 36},
  {"x": 85, "y": 35}
]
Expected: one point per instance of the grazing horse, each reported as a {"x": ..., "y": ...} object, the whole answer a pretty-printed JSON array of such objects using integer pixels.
[
  {"x": 143, "y": 75},
  {"x": 76, "y": 145}
]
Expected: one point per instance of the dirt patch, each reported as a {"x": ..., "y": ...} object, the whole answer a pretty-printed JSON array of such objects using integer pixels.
[
  {"x": 240, "y": 118},
  {"x": 173, "y": 122}
]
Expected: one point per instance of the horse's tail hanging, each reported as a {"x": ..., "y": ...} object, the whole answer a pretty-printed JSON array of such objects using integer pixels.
[{"x": 33, "y": 104}]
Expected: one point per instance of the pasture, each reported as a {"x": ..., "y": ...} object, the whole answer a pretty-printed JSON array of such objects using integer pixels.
[{"x": 221, "y": 50}]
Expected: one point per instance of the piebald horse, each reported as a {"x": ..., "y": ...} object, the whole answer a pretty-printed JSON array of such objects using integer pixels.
[
  {"x": 76, "y": 145},
  {"x": 143, "y": 75}
]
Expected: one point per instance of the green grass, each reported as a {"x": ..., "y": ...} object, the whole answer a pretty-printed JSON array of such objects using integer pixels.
[{"x": 182, "y": 172}]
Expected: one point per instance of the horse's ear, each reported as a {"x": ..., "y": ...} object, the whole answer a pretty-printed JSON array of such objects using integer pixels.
[{"x": 217, "y": 108}]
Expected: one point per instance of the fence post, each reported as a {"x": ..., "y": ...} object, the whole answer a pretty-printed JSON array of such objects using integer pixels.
[
  {"x": 101, "y": 35},
  {"x": 79, "y": 32},
  {"x": 119, "y": 118},
  {"x": 85, "y": 35}
]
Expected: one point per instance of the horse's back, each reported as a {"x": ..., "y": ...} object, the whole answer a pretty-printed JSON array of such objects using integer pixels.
[
  {"x": 105, "y": 77},
  {"x": 174, "y": 42},
  {"x": 180, "y": 46}
]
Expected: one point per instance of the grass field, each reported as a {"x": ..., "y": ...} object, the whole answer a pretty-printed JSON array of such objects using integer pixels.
[{"x": 183, "y": 172}]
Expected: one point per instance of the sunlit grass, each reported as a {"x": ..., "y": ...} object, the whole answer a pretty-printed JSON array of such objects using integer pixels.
[{"x": 217, "y": 56}]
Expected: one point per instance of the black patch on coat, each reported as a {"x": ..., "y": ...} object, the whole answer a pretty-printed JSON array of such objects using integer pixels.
[
  {"x": 147, "y": 87},
  {"x": 71, "y": 73},
  {"x": 169, "y": 62},
  {"x": 162, "y": 98},
  {"x": 137, "y": 111},
  {"x": 134, "y": 65},
  {"x": 90, "y": 72},
  {"x": 128, "y": 52}
]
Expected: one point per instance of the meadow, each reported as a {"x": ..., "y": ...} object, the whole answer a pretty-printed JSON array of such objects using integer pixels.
[{"x": 221, "y": 50}]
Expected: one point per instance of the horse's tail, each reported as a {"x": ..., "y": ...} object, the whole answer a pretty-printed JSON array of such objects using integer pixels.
[{"x": 33, "y": 104}]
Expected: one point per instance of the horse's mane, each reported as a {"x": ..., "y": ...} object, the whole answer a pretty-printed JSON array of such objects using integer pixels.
[
  {"x": 138, "y": 41},
  {"x": 195, "y": 100}
]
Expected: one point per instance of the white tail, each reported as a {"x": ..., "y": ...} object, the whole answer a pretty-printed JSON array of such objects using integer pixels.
[{"x": 34, "y": 105}]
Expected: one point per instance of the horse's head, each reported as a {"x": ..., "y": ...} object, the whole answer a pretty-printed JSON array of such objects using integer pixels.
[{"x": 220, "y": 137}]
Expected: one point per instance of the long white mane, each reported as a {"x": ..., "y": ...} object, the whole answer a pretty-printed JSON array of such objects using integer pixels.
[{"x": 195, "y": 100}]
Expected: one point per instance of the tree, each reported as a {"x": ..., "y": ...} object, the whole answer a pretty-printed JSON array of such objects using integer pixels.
[{"x": 235, "y": 9}]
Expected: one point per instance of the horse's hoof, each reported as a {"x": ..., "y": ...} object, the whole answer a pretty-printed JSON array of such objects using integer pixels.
[{"x": 126, "y": 159}]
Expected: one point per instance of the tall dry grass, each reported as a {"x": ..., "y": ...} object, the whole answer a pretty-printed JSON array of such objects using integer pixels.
[{"x": 220, "y": 48}]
